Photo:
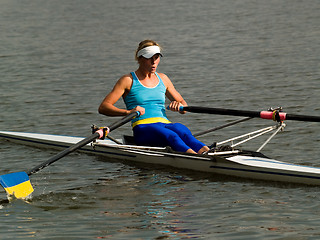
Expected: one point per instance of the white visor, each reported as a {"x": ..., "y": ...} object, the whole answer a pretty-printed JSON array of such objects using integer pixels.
[{"x": 148, "y": 52}]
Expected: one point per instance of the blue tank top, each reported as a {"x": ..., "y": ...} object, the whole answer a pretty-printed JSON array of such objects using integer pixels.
[{"x": 152, "y": 99}]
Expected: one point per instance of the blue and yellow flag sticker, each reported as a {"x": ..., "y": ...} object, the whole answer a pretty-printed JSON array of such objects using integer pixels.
[{"x": 17, "y": 184}]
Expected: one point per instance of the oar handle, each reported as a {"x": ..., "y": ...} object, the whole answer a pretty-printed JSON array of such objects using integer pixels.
[
  {"x": 83, "y": 142},
  {"x": 275, "y": 115}
]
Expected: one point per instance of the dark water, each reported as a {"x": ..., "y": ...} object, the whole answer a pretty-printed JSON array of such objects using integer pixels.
[{"x": 58, "y": 59}]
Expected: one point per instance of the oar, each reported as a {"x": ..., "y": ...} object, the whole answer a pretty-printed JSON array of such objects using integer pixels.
[
  {"x": 18, "y": 184},
  {"x": 221, "y": 127},
  {"x": 275, "y": 115}
]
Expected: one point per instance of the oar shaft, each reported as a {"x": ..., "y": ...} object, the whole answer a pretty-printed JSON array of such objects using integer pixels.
[
  {"x": 221, "y": 111},
  {"x": 64, "y": 153},
  {"x": 303, "y": 118},
  {"x": 253, "y": 114},
  {"x": 82, "y": 143},
  {"x": 221, "y": 127},
  {"x": 124, "y": 120}
]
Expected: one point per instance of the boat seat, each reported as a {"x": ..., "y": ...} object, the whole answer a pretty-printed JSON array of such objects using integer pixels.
[{"x": 128, "y": 140}]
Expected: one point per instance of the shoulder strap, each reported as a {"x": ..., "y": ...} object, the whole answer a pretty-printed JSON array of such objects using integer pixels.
[
  {"x": 134, "y": 76},
  {"x": 160, "y": 80}
]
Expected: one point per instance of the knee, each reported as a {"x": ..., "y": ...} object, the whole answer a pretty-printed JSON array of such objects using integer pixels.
[{"x": 172, "y": 138}]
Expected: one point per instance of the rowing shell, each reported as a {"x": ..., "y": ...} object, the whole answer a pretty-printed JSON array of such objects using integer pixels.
[{"x": 248, "y": 165}]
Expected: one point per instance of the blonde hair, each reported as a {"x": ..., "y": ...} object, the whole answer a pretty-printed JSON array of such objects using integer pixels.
[{"x": 144, "y": 44}]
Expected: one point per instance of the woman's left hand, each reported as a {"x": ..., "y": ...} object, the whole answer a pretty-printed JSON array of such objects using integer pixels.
[{"x": 175, "y": 106}]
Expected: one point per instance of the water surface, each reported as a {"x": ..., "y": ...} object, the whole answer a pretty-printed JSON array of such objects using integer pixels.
[{"x": 60, "y": 58}]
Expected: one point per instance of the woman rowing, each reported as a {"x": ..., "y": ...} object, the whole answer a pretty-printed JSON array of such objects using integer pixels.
[{"x": 145, "y": 90}]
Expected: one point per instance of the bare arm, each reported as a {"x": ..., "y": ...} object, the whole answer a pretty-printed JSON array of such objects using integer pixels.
[
  {"x": 122, "y": 87},
  {"x": 172, "y": 94}
]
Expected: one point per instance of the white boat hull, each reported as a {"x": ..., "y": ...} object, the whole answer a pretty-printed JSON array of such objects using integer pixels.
[{"x": 244, "y": 166}]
